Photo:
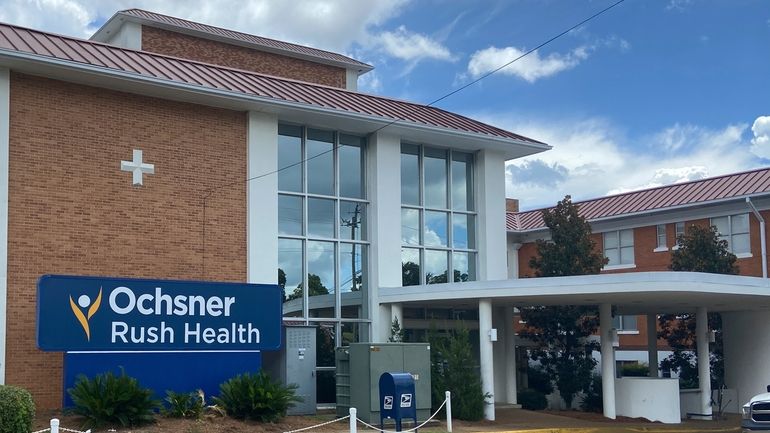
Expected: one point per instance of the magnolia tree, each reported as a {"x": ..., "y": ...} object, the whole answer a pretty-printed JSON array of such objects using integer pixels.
[{"x": 560, "y": 334}]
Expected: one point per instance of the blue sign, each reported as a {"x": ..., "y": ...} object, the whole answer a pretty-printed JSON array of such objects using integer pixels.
[{"x": 122, "y": 314}]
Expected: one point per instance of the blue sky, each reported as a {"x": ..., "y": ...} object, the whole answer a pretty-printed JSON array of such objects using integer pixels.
[{"x": 652, "y": 92}]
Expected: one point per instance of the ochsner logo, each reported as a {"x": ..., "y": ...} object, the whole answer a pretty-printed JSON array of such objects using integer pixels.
[{"x": 85, "y": 302}]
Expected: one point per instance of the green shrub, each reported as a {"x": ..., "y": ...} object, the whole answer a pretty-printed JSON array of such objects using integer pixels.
[
  {"x": 539, "y": 380},
  {"x": 532, "y": 399},
  {"x": 592, "y": 396},
  {"x": 16, "y": 409},
  {"x": 453, "y": 369},
  {"x": 635, "y": 370},
  {"x": 183, "y": 404},
  {"x": 256, "y": 396},
  {"x": 107, "y": 399}
]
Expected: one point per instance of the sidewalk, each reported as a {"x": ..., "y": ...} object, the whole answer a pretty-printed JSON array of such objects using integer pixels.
[{"x": 519, "y": 420}]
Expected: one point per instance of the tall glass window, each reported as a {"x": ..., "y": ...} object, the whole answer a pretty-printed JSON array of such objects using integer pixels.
[
  {"x": 438, "y": 219},
  {"x": 322, "y": 217}
]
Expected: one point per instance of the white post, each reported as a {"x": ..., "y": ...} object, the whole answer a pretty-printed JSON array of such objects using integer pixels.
[
  {"x": 448, "y": 396},
  {"x": 486, "y": 357},
  {"x": 510, "y": 357},
  {"x": 652, "y": 344},
  {"x": 608, "y": 360},
  {"x": 54, "y": 425},
  {"x": 352, "y": 420},
  {"x": 704, "y": 364}
]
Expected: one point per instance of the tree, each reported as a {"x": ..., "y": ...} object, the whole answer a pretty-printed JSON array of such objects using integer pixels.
[
  {"x": 410, "y": 274},
  {"x": 314, "y": 284},
  {"x": 560, "y": 334},
  {"x": 396, "y": 332},
  {"x": 698, "y": 250}
]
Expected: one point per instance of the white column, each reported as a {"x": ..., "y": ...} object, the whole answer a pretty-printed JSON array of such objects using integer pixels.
[
  {"x": 5, "y": 107},
  {"x": 490, "y": 193},
  {"x": 608, "y": 360},
  {"x": 486, "y": 357},
  {"x": 262, "y": 199},
  {"x": 704, "y": 364},
  {"x": 510, "y": 357},
  {"x": 513, "y": 260},
  {"x": 652, "y": 344},
  {"x": 384, "y": 183}
]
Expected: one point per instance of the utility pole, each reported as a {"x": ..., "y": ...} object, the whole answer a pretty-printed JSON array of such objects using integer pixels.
[{"x": 353, "y": 223}]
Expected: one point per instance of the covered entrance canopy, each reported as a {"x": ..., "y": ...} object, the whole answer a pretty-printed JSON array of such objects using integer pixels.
[{"x": 630, "y": 293}]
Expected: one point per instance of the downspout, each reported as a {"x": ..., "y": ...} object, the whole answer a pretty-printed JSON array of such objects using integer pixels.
[{"x": 762, "y": 240}]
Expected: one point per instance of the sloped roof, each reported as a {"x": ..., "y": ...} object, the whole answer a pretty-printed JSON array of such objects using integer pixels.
[
  {"x": 735, "y": 185},
  {"x": 155, "y": 19},
  {"x": 80, "y": 52}
]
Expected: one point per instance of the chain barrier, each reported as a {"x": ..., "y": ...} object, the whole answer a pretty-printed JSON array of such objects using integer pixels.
[
  {"x": 73, "y": 431},
  {"x": 411, "y": 429},
  {"x": 318, "y": 425},
  {"x": 43, "y": 430},
  {"x": 55, "y": 428}
]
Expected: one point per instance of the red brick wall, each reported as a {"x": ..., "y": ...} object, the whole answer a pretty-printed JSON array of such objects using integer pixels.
[
  {"x": 233, "y": 56},
  {"x": 72, "y": 211}
]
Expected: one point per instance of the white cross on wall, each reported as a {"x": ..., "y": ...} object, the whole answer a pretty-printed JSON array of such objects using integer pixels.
[{"x": 137, "y": 167}]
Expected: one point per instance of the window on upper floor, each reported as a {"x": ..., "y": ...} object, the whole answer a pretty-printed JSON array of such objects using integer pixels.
[
  {"x": 619, "y": 247},
  {"x": 438, "y": 222},
  {"x": 661, "y": 234},
  {"x": 735, "y": 230},
  {"x": 625, "y": 323}
]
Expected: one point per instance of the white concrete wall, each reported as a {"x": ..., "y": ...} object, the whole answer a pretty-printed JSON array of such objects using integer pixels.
[
  {"x": 5, "y": 89},
  {"x": 384, "y": 187},
  {"x": 746, "y": 337},
  {"x": 654, "y": 399},
  {"x": 490, "y": 194},
  {"x": 128, "y": 36},
  {"x": 261, "y": 213}
]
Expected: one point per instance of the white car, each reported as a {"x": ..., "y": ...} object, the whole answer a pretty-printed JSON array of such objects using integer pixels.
[{"x": 755, "y": 415}]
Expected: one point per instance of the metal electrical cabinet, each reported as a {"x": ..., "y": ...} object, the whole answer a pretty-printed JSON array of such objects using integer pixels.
[
  {"x": 360, "y": 365},
  {"x": 295, "y": 363}
]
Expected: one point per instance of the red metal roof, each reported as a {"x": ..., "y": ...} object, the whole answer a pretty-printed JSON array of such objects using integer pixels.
[
  {"x": 244, "y": 37},
  {"x": 733, "y": 185},
  {"x": 155, "y": 66}
]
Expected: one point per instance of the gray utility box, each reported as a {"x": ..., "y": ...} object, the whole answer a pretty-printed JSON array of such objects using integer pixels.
[
  {"x": 295, "y": 363},
  {"x": 360, "y": 365}
]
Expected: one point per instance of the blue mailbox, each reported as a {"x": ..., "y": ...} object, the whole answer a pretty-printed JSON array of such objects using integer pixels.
[{"x": 397, "y": 398}]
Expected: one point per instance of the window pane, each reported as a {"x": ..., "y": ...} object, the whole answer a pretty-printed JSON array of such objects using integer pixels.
[
  {"x": 352, "y": 219},
  {"x": 610, "y": 240},
  {"x": 617, "y": 322},
  {"x": 320, "y": 218},
  {"x": 320, "y": 278},
  {"x": 354, "y": 333},
  {"x": 410, "y": 174},
  {"x": 289, "y": 215},
  {"x": 410, "y": 226},
  {"x": 290, "y": 153},
  {"x": 626, "y": 238},
  {"x": 290, "y": 274},
  {"x": 722, "y": 225},
  {"x": 435, "y": 229},
  {"x": 351, "y": 166},
  {"x": 740, "y": 244},
  {"x": 320, "y": 163},
  {"x": 463, "y": 231},
  {"x": 661, "y": 228},
  {"x": 436, "y": 266},
  {"x": 740, "y": 223},
  {"x": 435, "y": 178},
  {"x": 351, "y": 270},
  {"x": 679, "y": 229},
  {"x": 627, "y": 256},
  {"x": 464, "y": 267},
  {"x": 462, "y": 181},
  {"x": 410, "y": 267},
  {"x": 613, "y": 255},
  {"x": 629, "y": 323}
]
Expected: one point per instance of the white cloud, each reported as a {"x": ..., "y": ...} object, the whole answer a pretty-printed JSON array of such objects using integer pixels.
[
  {"x": 760, "y": 144},
  {"x": 678, "y": 5},
  {"x": 530, "y": 68},
  {"x": 409, "y": 46},
  {"x": 592, "y": 158},
  {"x": 329, "y": 24}
]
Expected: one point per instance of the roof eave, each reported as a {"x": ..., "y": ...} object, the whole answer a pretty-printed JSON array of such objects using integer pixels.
[
  {"x": 30, "y": 63},
  {"x": 738, "y": 198},
  {"x": 116, "y": 21}
]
